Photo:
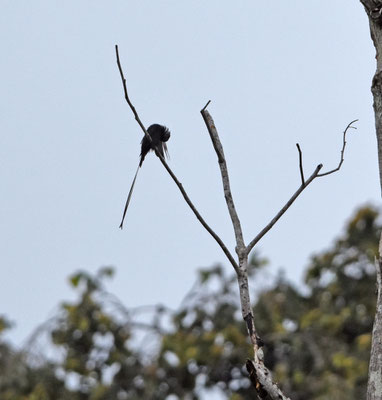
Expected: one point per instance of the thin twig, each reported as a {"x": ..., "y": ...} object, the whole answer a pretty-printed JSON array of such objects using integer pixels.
[
  {"x": 304, "y": 184},
  {"x": 342, "y": 150},
  {"x": 180, "y": 186},
  {"x": 127, "y": 96},
  {"x": 300, "y": 164},
  {"x": 282, "y": 211},
  {"x": 225, "y": 178}
]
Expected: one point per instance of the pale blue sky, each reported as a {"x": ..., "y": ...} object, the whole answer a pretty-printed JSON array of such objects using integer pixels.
[{"x": 277, "y": 73}]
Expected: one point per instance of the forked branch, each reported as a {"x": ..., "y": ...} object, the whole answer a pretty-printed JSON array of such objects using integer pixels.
[
  {"x": 259, "y": 375},
  {"x": 342, "y": 150},
  {"x": 303, "y": 185}
]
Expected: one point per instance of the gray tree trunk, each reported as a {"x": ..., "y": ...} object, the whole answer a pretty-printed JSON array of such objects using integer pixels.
[{"x": 373, "y": 10}]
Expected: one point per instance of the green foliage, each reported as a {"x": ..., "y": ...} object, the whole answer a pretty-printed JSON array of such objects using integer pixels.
[
  {"x": 317, "y": 343},
  {"x": 329, "y": 332}
]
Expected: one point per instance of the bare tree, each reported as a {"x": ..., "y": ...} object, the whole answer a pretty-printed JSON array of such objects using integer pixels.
[
  {"x": 258, "y": 373},
  {"x": 373, "y": 10}
]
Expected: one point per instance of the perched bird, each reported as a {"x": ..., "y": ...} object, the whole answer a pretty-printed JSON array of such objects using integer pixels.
[{"x": 159, "y": 135}]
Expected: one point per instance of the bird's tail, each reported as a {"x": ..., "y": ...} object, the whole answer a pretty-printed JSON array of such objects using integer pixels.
[
  {"x": 166, "y": 151},
  {"x": 128, "y": 198}
]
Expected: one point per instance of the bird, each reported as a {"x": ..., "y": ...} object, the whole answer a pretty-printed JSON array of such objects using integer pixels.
[{"x": 159, "y": 135}]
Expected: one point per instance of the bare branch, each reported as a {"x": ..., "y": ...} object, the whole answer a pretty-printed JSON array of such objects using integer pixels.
[
  {"x": 342, "y": 150},
  {"x": 304, "y": 184},
  {"x": 198, "y": 216},
  {"x": 225, "y": 178},
  {"x": 259, "y": 374},
  {"x": 127, "y": 96},
  {"x": 282, "y": 211},
  {"x": 300, "y": 164},
  {"x": 208, "y": 102},
  {"x": 180, "y": 186}
]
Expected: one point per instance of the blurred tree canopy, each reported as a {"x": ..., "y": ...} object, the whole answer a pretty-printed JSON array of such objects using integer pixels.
[{"x": 317, "y": 340}]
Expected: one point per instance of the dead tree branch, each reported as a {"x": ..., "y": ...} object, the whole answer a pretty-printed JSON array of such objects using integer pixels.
[
  {"x": 198, "y": 216},
  {"x": 284, "y": 209},
  {"x": 300, "y": 164},
  {"x": 259, "y": 374},
  {"x": 127, "y": 96},
  {"x": 342, "y": 150},
  {"x": 225, "y": 178},
  {"x": 304, "y": 184}
]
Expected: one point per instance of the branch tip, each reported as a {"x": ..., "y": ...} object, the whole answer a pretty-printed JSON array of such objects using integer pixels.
[
  {"x": 208, "y": 102},
  {"x": 350, "y": 126},
  {"x": 300, "y": 164}
]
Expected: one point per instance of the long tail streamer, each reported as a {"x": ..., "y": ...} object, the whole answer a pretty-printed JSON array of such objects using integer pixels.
[{"x": 129, "y": 198}]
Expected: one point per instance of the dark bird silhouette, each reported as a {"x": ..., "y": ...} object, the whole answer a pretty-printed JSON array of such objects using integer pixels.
[{"x": 159, "y": 135}]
